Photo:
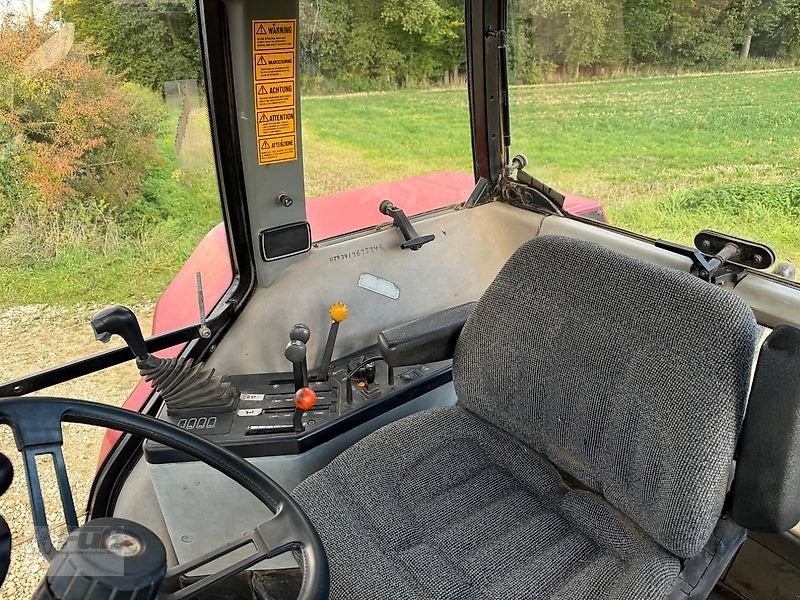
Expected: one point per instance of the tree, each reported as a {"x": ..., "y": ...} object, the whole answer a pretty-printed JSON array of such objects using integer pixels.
[
  {"x": 699, "y": 32},
  {"x": 148, "y": 43},
  {"x": 570, "y": 33},
  {"x": 755, "y": 17},
  {"x": 362, "y": 44},
  {"x": 431, "y": 34},
  {"x": 647, "y": 24}
]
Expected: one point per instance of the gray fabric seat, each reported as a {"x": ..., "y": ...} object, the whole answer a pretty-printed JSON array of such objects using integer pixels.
[{"x": 600, "y": 399}]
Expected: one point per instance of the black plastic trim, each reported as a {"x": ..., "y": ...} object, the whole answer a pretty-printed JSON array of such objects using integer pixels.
[
  {"x": 486, "y": 93},
  {"x": 786, "y": 545},
  {"x": 302, "y": 244},
  {"x": 284, "y": 444}
]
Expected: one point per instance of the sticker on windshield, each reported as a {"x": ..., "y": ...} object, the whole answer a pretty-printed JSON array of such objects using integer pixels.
[
  {"x": 273, "y": 95},
  {"x": 273, "y": 35},
  {"x": 274, "y": 66},
  {"x": 274, "y": 89}
]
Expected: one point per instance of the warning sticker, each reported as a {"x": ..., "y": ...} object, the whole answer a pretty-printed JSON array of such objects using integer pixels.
[
  {"x": 277, "y": 149},
  {"x": 274, "y": 93},
  {"x": 274, "y": 65},
  {"x": 275, "y": 122},
  {"x": 273, "y": 35}
]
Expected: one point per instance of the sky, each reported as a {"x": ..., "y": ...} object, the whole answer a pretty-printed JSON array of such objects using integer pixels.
[{"x": 40, "y": 7}]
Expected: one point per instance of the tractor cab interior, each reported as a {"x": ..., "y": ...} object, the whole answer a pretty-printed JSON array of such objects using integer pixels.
[{"x": 425, "y": 408}]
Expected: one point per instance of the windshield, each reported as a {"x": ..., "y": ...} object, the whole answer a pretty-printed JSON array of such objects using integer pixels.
[
  {"x": 384, "y": 101},
  {"x": 674, "y": 116}
]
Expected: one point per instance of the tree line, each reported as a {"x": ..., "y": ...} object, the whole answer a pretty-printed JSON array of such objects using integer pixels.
[
  {"x": 571, "y": 35},
  {"x": 359, "y": 45}
]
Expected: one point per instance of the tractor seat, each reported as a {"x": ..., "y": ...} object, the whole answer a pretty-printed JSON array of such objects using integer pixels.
[{"x": 600, "y": 398}]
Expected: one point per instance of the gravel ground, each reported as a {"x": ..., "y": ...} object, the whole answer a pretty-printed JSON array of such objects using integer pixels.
[{"x": 34, "y": 338}]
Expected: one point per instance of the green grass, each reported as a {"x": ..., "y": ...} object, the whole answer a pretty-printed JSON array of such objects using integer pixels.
[
  {"x": 724, "y": 144},
  {"x": 667, "y": 156}
]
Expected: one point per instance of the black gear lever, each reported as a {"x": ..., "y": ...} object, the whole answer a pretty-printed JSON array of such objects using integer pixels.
[
  {"x": 120, "y": 320},
  {"x": 296, "y": 353},
  {"x": 186, "y": 387}
]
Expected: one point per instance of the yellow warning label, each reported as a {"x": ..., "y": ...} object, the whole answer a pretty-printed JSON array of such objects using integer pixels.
[
  {"x": 277, "y": 149},
  {"x": 274, "y": 93},
  {"x": 273, "y": 35},
  {"x": 275, "y": 122},
  {"x": 271, "y": 66}
]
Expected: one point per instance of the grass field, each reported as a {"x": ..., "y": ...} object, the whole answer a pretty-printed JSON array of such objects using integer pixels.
[{"x": 667, "y": 156}]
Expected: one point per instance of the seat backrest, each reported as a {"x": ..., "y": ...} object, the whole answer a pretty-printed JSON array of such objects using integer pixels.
[{"x": 629, "y": 376}]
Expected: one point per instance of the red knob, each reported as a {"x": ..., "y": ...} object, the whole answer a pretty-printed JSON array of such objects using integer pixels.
[{"x": 305, "y": 398}]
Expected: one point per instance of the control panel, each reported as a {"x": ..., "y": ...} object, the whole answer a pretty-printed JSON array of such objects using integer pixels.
[
  {"x": 262, "y": 414},
  {"x": 264, "y": 419}
]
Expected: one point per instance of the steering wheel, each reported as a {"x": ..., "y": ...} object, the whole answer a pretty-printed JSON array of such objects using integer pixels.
[{"x": 36, "y": 423}]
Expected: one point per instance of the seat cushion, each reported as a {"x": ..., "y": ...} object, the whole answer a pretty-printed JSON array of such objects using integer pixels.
[
  {"x": 630, "y": 376},
  {"x": 443, "y": 505}
]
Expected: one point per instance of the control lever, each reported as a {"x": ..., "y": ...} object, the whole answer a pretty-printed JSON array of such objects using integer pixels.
[
  {"x": 304, "y": 400},
  {"x": 413, "y": 240},
  {"x": 203, "y": 330},
  {"x": 185, "y": 387},
  {"x": 338, "y": 312},
  {"x": 296, "y": 352},
  {"x": 120, "y": 320},
  {"x": 362, "y": 369}
]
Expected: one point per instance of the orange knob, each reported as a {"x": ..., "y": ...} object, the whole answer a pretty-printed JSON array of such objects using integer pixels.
[
  {"x": 305, "y": 398},
  {"x": 338, "y": 312}
]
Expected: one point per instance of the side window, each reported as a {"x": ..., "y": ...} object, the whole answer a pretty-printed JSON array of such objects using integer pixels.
[
  {"x": 107, "y": 187},
  {"x": 674, "y": 116}
]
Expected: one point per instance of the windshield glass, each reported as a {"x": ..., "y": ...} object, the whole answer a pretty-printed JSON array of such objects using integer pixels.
[
  {"x": 107, "y": 179},
  {"x": 674, "y": 116},
  {"x": 384, "y": 99}
]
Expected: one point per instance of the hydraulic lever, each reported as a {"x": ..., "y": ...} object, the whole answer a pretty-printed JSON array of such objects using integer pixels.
[
  {"x": 413, "y": 241},
  {"x": 304, "y": 400},
  {"x": 296, "y": 353},
  {"x": 338, "y": 312}
]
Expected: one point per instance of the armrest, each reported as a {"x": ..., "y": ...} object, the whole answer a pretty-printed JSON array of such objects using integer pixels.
[{"x": 428, "y": 339}]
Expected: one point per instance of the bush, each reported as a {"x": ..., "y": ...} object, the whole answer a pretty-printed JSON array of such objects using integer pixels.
[{"x": 77, "y": 143}]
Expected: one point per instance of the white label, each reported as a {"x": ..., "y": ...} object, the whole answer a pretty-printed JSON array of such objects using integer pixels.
[
  {"x": 253, "y": 397},
  {"x": 384, "y": 287},
  {"x": 248, "y": 412}
]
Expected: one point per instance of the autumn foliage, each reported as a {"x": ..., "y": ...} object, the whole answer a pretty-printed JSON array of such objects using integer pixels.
[{"x": 72, "y": 135}]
